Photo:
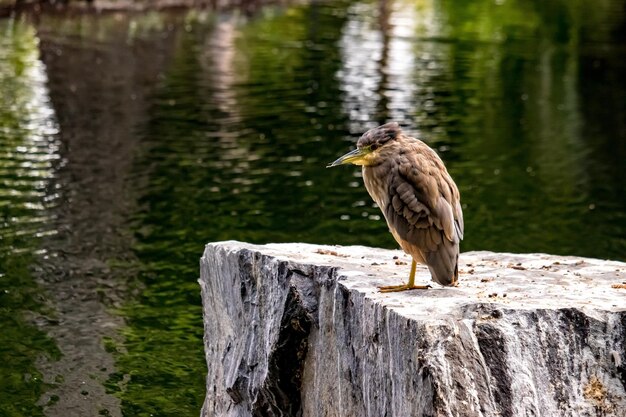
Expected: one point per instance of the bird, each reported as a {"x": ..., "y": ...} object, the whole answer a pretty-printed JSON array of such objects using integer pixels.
[{"x": 418, "y": 198}]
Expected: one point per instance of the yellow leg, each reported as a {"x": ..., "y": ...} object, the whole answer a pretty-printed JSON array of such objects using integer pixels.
[{"x": 410, "y": 286}]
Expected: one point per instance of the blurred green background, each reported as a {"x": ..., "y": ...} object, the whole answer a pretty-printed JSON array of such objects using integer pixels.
[{"x": 129, "y": 140}]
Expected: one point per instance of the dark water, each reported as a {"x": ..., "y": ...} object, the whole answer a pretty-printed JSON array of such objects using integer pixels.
[{"x": 129, "y": 141}]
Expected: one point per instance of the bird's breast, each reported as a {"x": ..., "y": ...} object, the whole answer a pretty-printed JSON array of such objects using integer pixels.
[{"x": 376, "y": 184}]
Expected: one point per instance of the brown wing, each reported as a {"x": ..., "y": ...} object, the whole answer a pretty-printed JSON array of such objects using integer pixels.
[{"x": 424, "y": 210}]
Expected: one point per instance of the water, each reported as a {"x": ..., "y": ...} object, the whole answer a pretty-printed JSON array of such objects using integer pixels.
[{"x": 129, "y": 141}]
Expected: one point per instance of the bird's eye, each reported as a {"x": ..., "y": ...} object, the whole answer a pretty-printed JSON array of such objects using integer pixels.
[{"x": 373, "y": 147}]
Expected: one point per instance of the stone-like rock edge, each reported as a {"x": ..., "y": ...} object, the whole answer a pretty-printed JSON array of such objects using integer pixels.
[{"x": 290, "y": 338}]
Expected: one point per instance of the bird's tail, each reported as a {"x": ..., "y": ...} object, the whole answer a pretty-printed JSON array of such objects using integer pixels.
[{"x": 444, "y": 263}]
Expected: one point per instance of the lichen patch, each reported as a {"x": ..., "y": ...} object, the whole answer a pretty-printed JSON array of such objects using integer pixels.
[{"x": 595, "y": 392}]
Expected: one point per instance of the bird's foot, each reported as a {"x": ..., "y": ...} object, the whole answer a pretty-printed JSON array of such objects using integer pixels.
[{"x": 403, "y": 287}]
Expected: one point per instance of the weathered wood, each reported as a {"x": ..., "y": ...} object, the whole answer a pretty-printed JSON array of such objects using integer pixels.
[{"x": 295, "y": 329}]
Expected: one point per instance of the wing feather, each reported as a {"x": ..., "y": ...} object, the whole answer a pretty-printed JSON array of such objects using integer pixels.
[{"x": 424, "y": 210}]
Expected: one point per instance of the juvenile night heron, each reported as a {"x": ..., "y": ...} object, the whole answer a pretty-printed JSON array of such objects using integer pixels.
[{"x": 418, "y": 198}]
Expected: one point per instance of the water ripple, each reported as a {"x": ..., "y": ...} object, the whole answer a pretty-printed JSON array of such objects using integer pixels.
[{"x": 28, "y": 143}]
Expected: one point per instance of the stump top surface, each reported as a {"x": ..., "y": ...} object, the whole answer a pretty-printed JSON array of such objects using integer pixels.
[{"x": 510, "y": 281}]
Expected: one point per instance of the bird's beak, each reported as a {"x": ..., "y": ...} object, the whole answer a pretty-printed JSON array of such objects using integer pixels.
[{"x": 356, "y": 157}]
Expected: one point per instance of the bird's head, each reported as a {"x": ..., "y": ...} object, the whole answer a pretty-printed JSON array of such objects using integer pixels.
[{"x": 370, "y": 149}]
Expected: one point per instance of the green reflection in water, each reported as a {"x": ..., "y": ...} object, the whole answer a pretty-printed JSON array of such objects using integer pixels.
[
  {"x": 533, "y": 164},
  {"x": 25, "y": 161},
  {"x": 161, "y": 369}
]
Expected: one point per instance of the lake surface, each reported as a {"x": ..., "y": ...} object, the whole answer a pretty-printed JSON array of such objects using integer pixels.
[{"x": 127, "y": 142}]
